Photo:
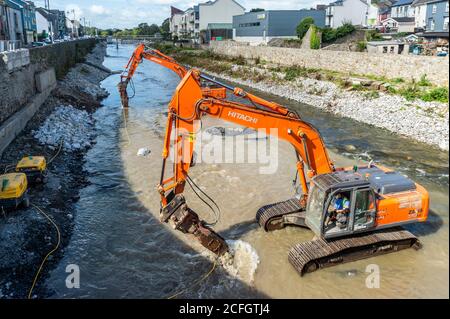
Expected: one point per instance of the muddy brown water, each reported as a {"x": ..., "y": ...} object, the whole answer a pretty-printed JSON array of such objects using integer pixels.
[{"x": 123, "y": 251}]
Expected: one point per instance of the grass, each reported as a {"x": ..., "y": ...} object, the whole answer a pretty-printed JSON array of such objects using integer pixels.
[{"x": 424, "y": 81}]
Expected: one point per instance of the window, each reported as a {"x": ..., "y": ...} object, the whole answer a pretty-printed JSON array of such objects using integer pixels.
[
  {"x": 338, "y": 213},
  {"x": 364, "y": 209},
  {"x": 446, "y": 23},
  {"x": 391, "y": 49},
  {"x": 446, "y": 7},
  {"x": 431, "y": 23},
  {"x": 252, "y": 24},
  {"x": 434, "y": 8},
  {"x": 385, "y": 49}
]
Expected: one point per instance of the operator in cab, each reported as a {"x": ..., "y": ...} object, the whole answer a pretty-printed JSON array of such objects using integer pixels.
[{"x": 340, "y": 210}]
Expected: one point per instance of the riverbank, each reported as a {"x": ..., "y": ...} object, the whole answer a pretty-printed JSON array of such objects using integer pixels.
[
  {"x": 25, "y": 235},
  {"x": 374, "y": 102}
]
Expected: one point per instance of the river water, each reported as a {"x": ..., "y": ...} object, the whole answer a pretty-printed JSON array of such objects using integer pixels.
[{"x": 123, "y": 251}]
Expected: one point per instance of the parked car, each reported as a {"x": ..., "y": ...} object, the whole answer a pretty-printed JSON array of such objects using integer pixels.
[{"x": 38, "y": 44}]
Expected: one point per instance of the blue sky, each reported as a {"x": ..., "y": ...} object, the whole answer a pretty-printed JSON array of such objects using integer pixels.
[{"x": 127, "y": 14}]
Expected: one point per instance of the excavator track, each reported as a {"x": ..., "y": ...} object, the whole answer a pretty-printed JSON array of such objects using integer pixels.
[
  {"x": 312, "y": 255},
  {"x": 278, "y": 215}
]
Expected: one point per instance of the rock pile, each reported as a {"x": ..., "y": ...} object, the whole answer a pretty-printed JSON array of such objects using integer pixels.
[{"x": 67, "y": 124}]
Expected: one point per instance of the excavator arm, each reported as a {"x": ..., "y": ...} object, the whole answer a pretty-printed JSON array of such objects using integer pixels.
[
  {"x": 160, "y": 58},
  {"x": 188, "y": 105},
  {"x": 138, "y": 56}
]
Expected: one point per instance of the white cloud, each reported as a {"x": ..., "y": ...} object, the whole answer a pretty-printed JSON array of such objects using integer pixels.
[
  {"x": 99, "y": 10},
  {"x": 72, "y": 8}
]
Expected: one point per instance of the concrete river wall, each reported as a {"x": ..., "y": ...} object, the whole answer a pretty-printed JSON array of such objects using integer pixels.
[
  {"x": 27, "y": 77},
  {"x": 387, "y": 65}
]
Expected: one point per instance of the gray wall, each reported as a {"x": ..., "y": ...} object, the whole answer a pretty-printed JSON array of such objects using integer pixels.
[
  {"x": 18, "y": 87},
  {"x": 438, "y": 17},
  {"x": 276, "y": 23}
]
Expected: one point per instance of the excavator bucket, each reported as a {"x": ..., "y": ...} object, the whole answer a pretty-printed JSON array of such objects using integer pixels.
[
  {"x": 122, "y": 86},
  {"x": 181, "y": 217}
]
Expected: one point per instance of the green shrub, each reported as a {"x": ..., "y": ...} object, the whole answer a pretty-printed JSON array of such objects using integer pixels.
[
  {"x": 303, "y": 27},
  {"x": 330, "y": 35},
  {"x": 424, "y": 81},
  {"x": 362, "y": 46},
  {"x": 398, "y": 80},
  {"x": 411, "y": 92},
  {"x": 294, "y": 72},
  {"x": 439, "y": 94},
  {"x": 315, "y": 38}
]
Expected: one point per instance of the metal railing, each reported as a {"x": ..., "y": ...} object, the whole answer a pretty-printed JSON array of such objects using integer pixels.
[{"x": 10, "y": 45}]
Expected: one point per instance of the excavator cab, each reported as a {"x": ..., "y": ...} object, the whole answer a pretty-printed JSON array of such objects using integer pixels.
[
  {"x": 363, "y": 190},
  {"x": 324, "y": 220}
]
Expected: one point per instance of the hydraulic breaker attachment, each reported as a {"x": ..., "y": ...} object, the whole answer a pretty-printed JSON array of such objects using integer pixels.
[
  {"x": 181, "y": 217},
  {"x": 122, "y": 86}
]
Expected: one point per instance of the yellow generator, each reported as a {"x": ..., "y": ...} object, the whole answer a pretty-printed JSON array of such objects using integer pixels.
[
  {"x": 14, "y": 191},
  {"x": 35, "y": 167}
]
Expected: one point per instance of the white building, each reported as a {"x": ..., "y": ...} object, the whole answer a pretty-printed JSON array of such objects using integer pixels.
[
  {"x": 189, "y": 23},
  {"x": 42, "y": 24},
  {"x": 420, "y": 13},
  {"x": 355, "y": 12},
  {"x": 218, "y": 11},
  {"x": 402, "y": 9}
]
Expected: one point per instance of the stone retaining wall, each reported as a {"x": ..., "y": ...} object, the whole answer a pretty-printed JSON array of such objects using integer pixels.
[
  {"x": 18, "y": 71},
  {"x": 361, "y": 63}
]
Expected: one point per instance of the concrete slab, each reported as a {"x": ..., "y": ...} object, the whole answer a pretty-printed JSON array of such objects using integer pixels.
[
  {"x": 45, "y": 80},
  {"x": 16, "y": 123}
]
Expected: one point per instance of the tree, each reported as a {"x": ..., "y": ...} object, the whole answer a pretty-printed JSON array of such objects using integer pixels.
[
  {"x": 165, "y": 26},
  {"x": 303, "y": 27},
  {"x": 257, "y": 10}
]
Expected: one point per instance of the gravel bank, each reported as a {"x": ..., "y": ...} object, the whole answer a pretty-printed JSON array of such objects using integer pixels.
[
  {"x": 25, "y": 235},
  {"x": 427, "y": 122}
]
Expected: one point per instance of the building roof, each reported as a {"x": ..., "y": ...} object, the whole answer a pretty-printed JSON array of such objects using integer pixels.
[
  {"x": 401, "y": 19},
  {"x": 434, "y": 34},
  {"x": 174, "y": 11},
  {"x": 402, "y": 3},
  {"x": 216, "y": 26},
  {"x": 13, "y": 5},
  {"x": 419, "y": 2},
  {"x": 210, "y": 3},
  {"x": 387, "y": 42}
]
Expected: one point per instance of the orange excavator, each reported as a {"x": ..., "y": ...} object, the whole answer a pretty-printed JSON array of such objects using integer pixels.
[{"x": 355, "y": 212}]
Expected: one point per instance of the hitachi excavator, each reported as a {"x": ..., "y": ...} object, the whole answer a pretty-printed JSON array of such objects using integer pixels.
[{"x": 377, "y": 201}]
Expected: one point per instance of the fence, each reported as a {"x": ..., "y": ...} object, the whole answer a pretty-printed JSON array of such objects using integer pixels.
[{"x": 9, "y": 45}]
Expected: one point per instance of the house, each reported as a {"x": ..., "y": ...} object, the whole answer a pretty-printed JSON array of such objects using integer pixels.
[
  {"x": 218, "y": 11},
  {"x": 60, "y": 28},
  {"x": 400, "y": 24},
  {"x": 388, "y": 47},
  {"x": 28, "y": 11},
  {"x": 4, "y": 32},
  {"x": 189, "y": 23},
  {"x": 352, "y": 11},
  {"x": 384, "y": 10},
  {"x": 176, "y": 16},
  {"x": 402, "y": 9},
  {"x": 372, "y": 14},
  {"x": 437, "y": 16},
  {"x": 420, "y": 13},
  {"x": 263, "y": 26},
  {"x": 14, "y": 22},
  {"x": 45, "y": 24},
  {"x": 74, "y": 28}
]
